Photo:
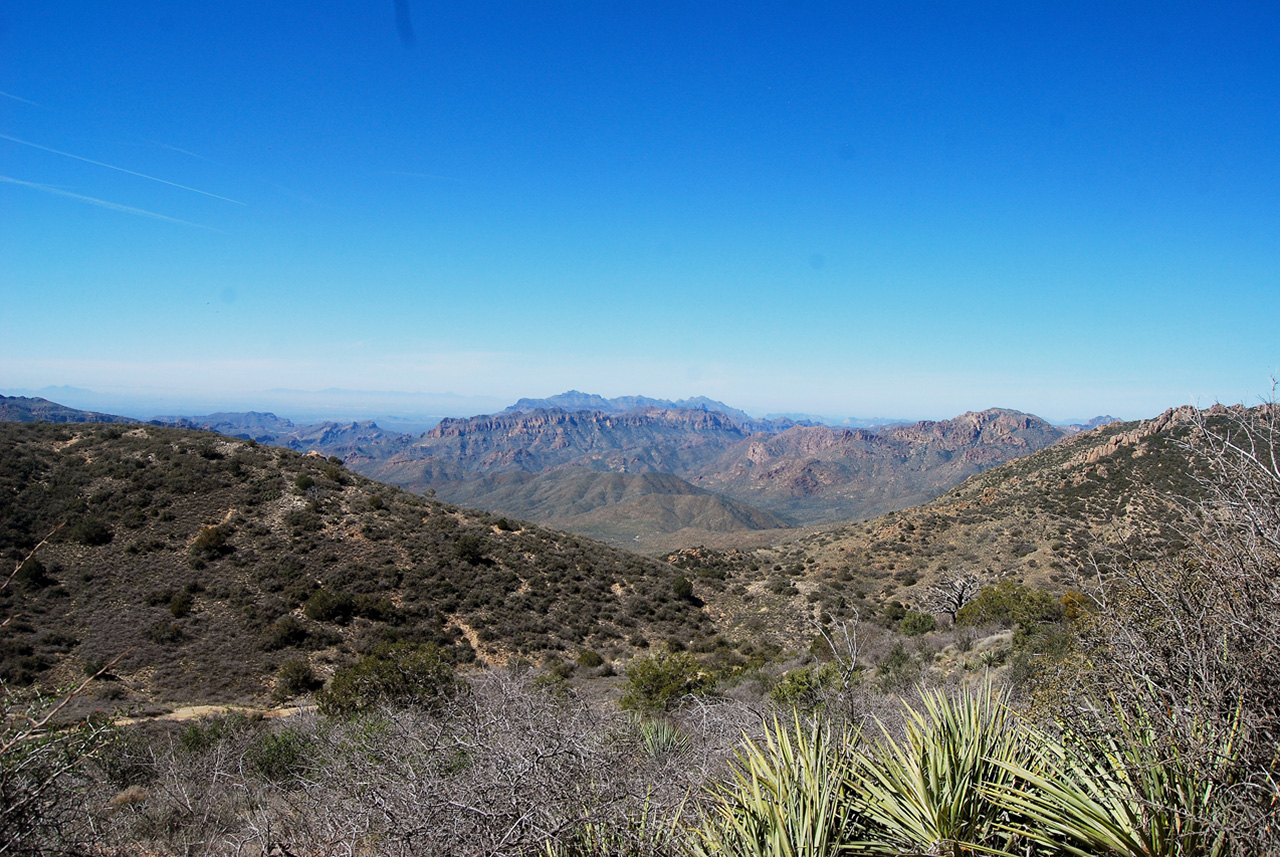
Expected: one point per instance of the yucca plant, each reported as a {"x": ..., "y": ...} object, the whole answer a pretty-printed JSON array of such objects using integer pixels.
[
  {"x": 649, "y": 833},
  {"x": 661, "y": 737},
  {"x": 788, "y": 797},
  {"x": 1122, "y": 792},
  {"x": 931, "y": 794}
]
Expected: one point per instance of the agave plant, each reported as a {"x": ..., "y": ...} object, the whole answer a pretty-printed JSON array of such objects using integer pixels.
[
  {"x": 932, "y": 794},
  {"x": 788, "y": 797},
  {"x": 1122, "y": 792}
]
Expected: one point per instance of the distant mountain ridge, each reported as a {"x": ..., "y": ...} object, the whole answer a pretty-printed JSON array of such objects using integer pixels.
[
  {"x": 574, "y": 401},
  {"x": 804, "y": 474},
  {"x": 331, "y": 438}
]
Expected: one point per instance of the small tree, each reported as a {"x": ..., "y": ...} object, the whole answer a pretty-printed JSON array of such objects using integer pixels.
[{"x": 951, "y": 595}]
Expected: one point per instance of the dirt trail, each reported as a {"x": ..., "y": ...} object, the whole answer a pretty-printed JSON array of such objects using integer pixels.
[{"x": 194, "y": 712}]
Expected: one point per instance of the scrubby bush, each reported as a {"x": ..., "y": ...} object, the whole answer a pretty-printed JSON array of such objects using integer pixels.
[
  {"x": 285, "y": 632},
  {"x": 281, "y": 757},
  {"x": 400, "y": 673},
  {"x": 295, "y": 678},
  {"x": 803, "y": 687},
  {"x": 659, "y": 682},
  {"x": 92, "y": 532},
  {"x": 470, "y": 548},
  {"x": 327, "y": 606},
  {"x": 1009, "y": 603},
  {"x": 33, "y": 575},
  {"x": 914, "y": 624},
  {"x": 213, "y": 542}
]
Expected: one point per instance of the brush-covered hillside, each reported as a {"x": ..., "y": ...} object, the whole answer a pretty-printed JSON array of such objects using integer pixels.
[
  {"x": 208, "y": 562},
  {"x": 1114, "y": 493}
]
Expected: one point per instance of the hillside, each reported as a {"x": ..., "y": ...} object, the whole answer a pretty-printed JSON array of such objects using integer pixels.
[
  {"x": 619, "y": 507},
  {"x": 211, "y": 561},
  {"x": 1111, "y": 493}
]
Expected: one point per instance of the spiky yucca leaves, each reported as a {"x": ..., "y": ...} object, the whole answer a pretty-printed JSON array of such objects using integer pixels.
[
  {"x": 645, "y": 834},
  {"x": 932, "y": 793},
  {"x": 788, "y": 797},
  {"x": 1125, "y": 792}
]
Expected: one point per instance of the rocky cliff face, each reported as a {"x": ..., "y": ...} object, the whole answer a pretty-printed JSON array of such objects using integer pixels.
[
  {"x": 648, "y": 440},
  {"x": 825, "y": 474}
]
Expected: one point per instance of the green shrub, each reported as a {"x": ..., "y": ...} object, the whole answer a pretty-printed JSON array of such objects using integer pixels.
[
  {"x": 1008, "y": 603},
  {"x": 180, "y": 605},
  {"x": 898, "y": 670},
  {"x": 398, "y": 674},
  {"x": 914, "y": 624},
  {"x": 470, "y": 548},
  {"x": 802, "y": 688},
  {"x": 206, "y": 733},
  {"x": 590, "y": 659},
  {"x": 285, "y": 632},
  {"x": 281, "y": 757},
  {"x": 32, "y": 575},
  {"x": 92, "y": 532},
  {"x": 660, "y": 681},
  {"x": 683, "y": 588},
  {"x": 164, "y": 633}
]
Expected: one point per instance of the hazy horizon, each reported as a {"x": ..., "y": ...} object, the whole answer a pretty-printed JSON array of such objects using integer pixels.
[
  {"x": 903, "y": 210},
  {"x": 301, "y": 406}
]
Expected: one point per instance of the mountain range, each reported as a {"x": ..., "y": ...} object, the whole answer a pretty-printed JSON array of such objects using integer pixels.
[
  {"x": 586, "y": 470},
  {"x": 652, "y": 474}
]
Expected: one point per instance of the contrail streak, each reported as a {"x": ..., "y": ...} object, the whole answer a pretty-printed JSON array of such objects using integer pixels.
[
  {"x": 117, "y": 169},
  {"x": 114, "y": 206},
  {"x": 23, "y": 100}
]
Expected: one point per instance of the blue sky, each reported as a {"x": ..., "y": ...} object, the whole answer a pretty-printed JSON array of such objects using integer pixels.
[{"x": 851, "y": 209}]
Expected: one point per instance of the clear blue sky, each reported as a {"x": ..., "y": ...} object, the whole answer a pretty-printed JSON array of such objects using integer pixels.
[{"x": 853, "y": 208}]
